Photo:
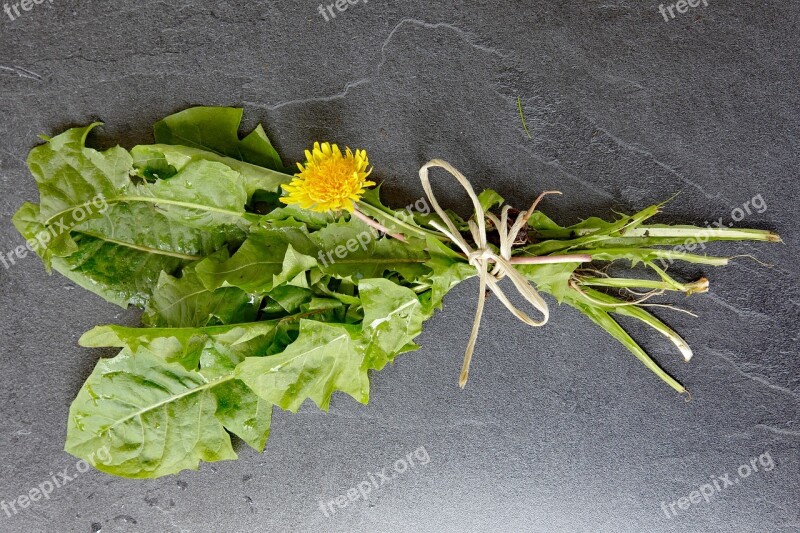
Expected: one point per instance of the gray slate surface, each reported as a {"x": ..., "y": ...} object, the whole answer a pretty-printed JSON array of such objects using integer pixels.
[{"x": 559, "y": 429}]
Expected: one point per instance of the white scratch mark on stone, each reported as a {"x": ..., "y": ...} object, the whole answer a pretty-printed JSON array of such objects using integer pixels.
[
  {"x": 641, "y": 151},
  {"x": 755, "y": 377},
  {"x": 21, "y": 72},
  {"x": 779, "y": 431},
  {"x": 357, "y": 83}
]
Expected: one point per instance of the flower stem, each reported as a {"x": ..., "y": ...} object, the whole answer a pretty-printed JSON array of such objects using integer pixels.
[
  {"x": 375, "y": 212},
  {"x": 377, "y": 225}
]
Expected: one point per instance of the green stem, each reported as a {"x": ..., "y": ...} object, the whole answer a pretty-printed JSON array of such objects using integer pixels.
[
  {"x": 600, "y": 315},
  {"x": 702, "y": 234},
  {"x": 634, "y": 311},
  {"x": 695, "y": 233},
  {"x": 700, "y": 285},
  {"x": 627, "y": 283}
]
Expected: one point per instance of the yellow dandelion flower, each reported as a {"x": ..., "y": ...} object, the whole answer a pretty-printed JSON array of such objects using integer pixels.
[{"x": 329, "y": 180}]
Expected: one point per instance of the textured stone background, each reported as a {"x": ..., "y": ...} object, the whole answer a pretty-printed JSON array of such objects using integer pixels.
[{"x": 560, "y": 429}]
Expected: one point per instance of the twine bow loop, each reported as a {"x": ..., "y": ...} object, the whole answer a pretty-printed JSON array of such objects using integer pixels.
[{"x": 491, "y": 266}]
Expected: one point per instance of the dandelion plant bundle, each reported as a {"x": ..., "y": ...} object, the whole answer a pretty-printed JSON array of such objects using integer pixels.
[{"x": 261, "y": 288}]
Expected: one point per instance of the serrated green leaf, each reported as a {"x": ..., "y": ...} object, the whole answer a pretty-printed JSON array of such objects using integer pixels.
[
  {"x": 75, "y": 180},
  {"x": 216, "y": 129},
  {"x": 185, "y": 302},
  {"x": 294, "y": 265},
  {"x": 151, "y": 418},
  {"x": 552, "y": 278},
  {"x": 185, "y": 345},
  {"x": 70, "y": 175},
  {"x": 243, "y": 413},
  {"x": 393, "y": 317},
  {"x": 154, "y": 158},
  {"x": 165, "y": 235},
  {"x": 448, "y": 269},
  {"x": 311, "y": 219},
  {"x": 324, "y": 359},
  {"x": 347, "y": 250},
  {"x": 203, "y": 194},
  {"x": 88, "y": 196},
  {"x": 256, "y": 263},
  {"x": 290, "y": 297},
  {"x": 640, "y": 255}
]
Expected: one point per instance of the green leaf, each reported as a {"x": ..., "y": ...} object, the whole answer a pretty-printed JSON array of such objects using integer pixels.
[
  {"x": 294, "y": 265},
  {"x": 312, "y": 219},
  {"x": 392, "y": 319},
  {"x": 155, "y": 158},
  {"x": 410, "y": 221},
  {"x": 347, "y": 250},
  {"x": 121, "y": 273},
  {"x": 258, "y": 261},
  {"x": 216, "y": 129},
  {"x": 165, "y": 235},
  {"x": 83, "y": 190},
  {"x": 634, "y": 311},
  {"x": 149, "y": 417},
  {"x": 186, "y": 345},
  {"x": 74, "y": 182},
  {"x": 540, "y": 222},
  {"x": 325, "y": 358},
  {"x": 630, "y": 232},
  {"x": 351, "y": 250},
  {"x": 185, "y": 302},
  {"x": 489, "y": 198},
  {"x": 243, "y": 413},
  {"x": 638, "y": 255},
  {"x": 590, "y": 233},
  {"x": 291, "y": 298},
  {"x": 70, "y": 175},
  {"x": 203, "y": 194},
  {"x": 552, "y": 278},
  {"x": 448, "y": 269}
]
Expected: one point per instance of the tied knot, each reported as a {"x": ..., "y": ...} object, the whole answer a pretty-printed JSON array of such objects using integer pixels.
[{"x": 482, "y": 256}]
